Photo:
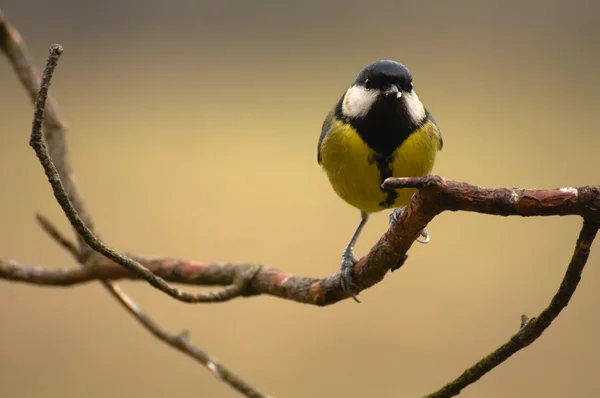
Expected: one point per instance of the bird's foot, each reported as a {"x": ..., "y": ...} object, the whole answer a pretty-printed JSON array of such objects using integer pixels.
[
  {"x": 348, "y": 260},
  {"x": 395, "y": 215},
  {"x": 425, "y": 236}
]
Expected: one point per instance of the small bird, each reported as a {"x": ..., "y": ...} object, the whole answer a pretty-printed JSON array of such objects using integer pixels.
[{"x": 378, "y": 129}]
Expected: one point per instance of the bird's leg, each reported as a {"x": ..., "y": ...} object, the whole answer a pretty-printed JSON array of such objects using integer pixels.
[
  {"x": 396, "y": 215},
  {"x": 348, "y": 258}
]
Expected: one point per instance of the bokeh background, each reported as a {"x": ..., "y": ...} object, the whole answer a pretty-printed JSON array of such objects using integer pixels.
[{"x": 193, "y": 130}]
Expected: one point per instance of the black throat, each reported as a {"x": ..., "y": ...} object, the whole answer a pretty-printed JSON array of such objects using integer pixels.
[{"x": 383, "y": 129}]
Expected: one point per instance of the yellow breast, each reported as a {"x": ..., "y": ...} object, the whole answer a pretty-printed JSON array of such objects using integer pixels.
[{"x": 354, "y": 174}]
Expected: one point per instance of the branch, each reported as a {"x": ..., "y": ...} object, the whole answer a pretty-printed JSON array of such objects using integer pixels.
[
  {"x": 36, "y": 141},
  {"x": 520, "y": 202},
  {"x": 171, "y": 269},
  {"x": 181, "y": 343},
  {"x": 435, "y": 196},
  {"x": 59, "y": 238},
  {"x": 533, "y": 328},
  {"x": 178, "y": 341},
  {"x": 14, "y": 48},
  {"x": 442, "y": 195}
]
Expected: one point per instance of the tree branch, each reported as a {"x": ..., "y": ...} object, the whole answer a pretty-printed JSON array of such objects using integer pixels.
[
  {"x": 178, "y": 341},
  {"x": 181, "y": 343},
  {"x": 173, "y": 270},
  {"x": 36, "y": 141},
  {"x": 532, "y": 328},
  {"x": 434, "y": 196},
  {"x": 57, "y": 236},
  {"x": 391, "y": 248},
  {"x": 14, "y": 48}
]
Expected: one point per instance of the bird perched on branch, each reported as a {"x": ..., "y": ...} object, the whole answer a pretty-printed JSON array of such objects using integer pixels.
[{"x": 378, "y": 129}]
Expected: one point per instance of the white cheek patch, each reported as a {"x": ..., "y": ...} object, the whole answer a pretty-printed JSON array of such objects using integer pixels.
[
  {"x": 415, "y": 108},
  {"x": 358, "y": 101}
]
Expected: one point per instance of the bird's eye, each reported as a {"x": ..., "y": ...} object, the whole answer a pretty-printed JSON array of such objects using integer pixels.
[
  {"x": 368, "y": 83},
  {"x": 409, "y": 87}
]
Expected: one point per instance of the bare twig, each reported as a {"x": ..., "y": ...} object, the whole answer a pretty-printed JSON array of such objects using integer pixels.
[
  {"x": 173, "y": 270},
  {"x": 58, "y": 237},
  {"x": 434, "y": 196},
  {"x": 178, "y": 341},
  {"x": 461, "y": 196},
  {"x": 36, "y": 141},
  {"x": 532, "y": 328},
  {"x": 14, "y": 48}
]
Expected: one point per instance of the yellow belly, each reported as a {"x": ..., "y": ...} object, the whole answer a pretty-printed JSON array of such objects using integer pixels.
[{"x": 354, "y": 174}]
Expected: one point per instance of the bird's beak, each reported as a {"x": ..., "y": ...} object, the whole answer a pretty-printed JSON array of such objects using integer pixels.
[{"x": 393, "y": 92}]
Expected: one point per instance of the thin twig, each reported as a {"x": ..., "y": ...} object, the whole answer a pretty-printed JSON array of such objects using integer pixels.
[
  {"x": 15, "y": 50},
  {"x": 178, "y": 341},
  {"x": 59, "y": 238},
  {"x": 36, "y": 141},
  {"x": 532, "y": 328},
  {"x": 435, "y": 195},
  {"x": 171, "y": 269}
]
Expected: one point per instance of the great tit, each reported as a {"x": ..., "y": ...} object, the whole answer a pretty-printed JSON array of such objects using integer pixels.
[{"x": 378, "y": 129}]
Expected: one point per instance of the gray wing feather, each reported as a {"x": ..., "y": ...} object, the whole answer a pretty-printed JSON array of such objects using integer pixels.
[
  {"x": 432, "y": 119},
  {"x": 324, "y": 130}
]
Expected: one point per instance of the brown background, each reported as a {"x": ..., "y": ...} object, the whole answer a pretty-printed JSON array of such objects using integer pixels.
[{"x": 169, "y": 102}]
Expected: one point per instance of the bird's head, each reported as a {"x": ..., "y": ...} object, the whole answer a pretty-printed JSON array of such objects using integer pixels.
[{"x": 384, "y": 86}]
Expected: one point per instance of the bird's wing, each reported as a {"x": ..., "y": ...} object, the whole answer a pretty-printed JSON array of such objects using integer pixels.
[
  {"x": 432, "y": 119},
  {"x": 324, "y": 130}
]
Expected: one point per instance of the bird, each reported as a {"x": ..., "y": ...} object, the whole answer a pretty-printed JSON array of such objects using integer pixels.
[{"x": 378, "y": 129}]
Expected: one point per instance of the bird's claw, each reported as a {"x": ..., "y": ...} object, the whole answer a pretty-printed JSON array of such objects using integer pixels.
[
  {"x": 348, "y": 260},
  {"x": 395, "y": 216},
  {"x": 425, "y": 236}
]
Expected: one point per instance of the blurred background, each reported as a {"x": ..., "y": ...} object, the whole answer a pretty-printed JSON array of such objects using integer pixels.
[{"x": 169, "y": 101}]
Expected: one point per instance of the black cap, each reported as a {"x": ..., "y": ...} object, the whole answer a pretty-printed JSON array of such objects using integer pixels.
[{"x": 380, "y": 74}]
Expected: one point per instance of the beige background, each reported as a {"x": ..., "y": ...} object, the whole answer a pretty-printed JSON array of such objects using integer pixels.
[{"x": 168, "y": 102}]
